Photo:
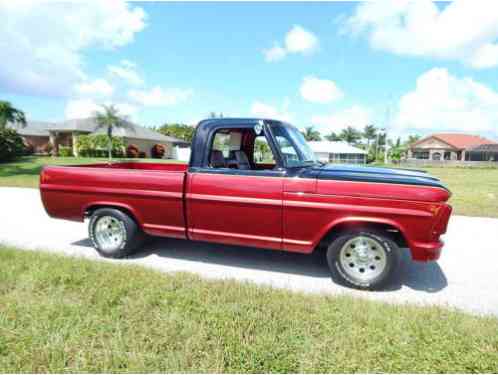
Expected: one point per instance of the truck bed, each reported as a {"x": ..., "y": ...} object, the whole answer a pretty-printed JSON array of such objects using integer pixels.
[{"x": 150, "y": 192}]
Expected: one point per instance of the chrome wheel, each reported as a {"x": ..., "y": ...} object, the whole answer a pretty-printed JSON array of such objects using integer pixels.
[
  {"x": 110, "y": 233},
  {"x": 363, "y": 258}
]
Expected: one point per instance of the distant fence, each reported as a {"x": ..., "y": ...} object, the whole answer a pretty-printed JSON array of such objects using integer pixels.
[{"x": 447, "y": 163}]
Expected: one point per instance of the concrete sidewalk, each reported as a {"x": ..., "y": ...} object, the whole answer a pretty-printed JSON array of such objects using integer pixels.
[{"x": 466, "y": 276}]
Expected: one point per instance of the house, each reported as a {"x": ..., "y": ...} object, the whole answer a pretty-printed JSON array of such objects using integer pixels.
[
  {"x": 338, "y": 152},
  {"x": 448, "y": 146},
  {"x": 46, "y": 136}
]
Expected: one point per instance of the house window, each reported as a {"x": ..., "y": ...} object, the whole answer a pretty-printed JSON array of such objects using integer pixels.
[
  {"x": 436, "y": 156},
  {"x": 421, "y": 154}
]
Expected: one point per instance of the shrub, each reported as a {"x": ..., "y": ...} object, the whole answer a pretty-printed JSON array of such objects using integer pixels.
[
  {"x": 158, "y": 151},
  {"x": 47, "y": 149},
  {"x": 11, "y": 145},
  {"x": 29, "y": 149},
  {"x": 95, "y": 145},
  {"x": 142, "y": 154},
  {"x": 65, "y": 151},
  {"x": 132, "y": 151}
]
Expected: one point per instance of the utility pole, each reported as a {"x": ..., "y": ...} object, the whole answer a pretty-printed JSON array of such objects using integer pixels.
[{"x": 388, "y": 123}]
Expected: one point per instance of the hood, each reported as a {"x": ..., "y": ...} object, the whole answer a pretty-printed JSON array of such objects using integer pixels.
[{"x": 379, "y": 175}]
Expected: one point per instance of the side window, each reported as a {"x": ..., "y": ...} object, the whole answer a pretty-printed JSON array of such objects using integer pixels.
[
  {"x": 262, "y": 151},
  {"x": 288, "y": 151}
]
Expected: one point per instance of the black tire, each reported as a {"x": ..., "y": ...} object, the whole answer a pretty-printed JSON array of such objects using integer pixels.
[
  {"x": 132, "y": 234},
  {"x": 344, "y": 277}
]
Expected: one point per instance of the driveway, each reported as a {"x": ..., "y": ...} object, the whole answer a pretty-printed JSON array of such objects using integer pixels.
[{"x": 465, "y": 277}]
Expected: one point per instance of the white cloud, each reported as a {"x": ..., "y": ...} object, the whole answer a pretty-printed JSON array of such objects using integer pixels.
[
  {"x": 264, "y": 110},
  {"x": 463, "y": 31},
  {"x": 99, "y": 87},
  {"x": 42, "y": 44},
  {"x": 297, "y": 40},
  {"x": 318, "y": 90},
  {"x": 355, "y": 116},
  {"x": 276, "y": 53},
  {"x": 442, "y": 102},
  {"x": 157, "y": 96},
  {"x": 82, "y": 108},
  {"x": 126, "y": 70}
]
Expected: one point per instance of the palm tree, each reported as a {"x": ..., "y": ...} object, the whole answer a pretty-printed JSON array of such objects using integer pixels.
[
  {"x": 350, "y": 135},
  {"x": 10, "y": 114},
  {"x": 109, "y": 119},
  {"x": 333, "y": 137},
  {"x": 310, "y": 134},
  {"x": 369, "y": 133}
]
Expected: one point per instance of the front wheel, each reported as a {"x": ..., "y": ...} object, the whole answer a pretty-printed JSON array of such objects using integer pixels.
[
  {"x": 363, "y": 259},
  {"x": 113, "y": 233}
]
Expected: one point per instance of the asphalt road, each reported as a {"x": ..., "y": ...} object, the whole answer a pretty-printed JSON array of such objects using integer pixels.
[{"x": 466, "y": 276}]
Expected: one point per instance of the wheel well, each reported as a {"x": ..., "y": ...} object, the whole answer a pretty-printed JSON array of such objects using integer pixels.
[
  {"x": 395, "y": 234},
  {"x": 91, "y": 209}
]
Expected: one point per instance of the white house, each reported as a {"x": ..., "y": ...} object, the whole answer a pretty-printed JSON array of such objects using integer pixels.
[{"x": 338, "y": 152}]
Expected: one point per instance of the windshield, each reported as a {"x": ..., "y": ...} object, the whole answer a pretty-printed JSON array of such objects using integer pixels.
[{"x": 293, "y": 147}]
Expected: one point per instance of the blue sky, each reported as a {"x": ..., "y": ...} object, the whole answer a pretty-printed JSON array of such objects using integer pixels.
[{"x": 336, "y": 64}]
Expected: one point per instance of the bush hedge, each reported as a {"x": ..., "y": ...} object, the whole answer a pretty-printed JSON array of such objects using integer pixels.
[
  {"x": 158, "y": 151},
  {"x": 96, "y": 146},
  {"x": 11, "y": 145},
  {"x": 132, "y": 151},
  {"x": 65, "y": 151}
]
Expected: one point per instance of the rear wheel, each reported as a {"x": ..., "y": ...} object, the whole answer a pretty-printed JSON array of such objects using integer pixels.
[
  {"x": 113, "y": 233},
  {"x": 363, "y": 259}
]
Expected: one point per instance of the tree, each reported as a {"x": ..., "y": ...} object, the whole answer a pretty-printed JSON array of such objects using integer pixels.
[
  {"x": 380, "y": 144},
  {"x": 310, "y": 134},
  {"x": 396, "y": 150},
  {"x": 109, "y": 119},
  {"x": 215, "y": 115},
  {"x": 412, "y": 139},
  {"x": 350, "y": 135},
  {"x": 10, "y": 114},
  {"x": 180, "y": 131},
  {"x": 369, "y": 133},
  {"x": 333, "y": 137}
]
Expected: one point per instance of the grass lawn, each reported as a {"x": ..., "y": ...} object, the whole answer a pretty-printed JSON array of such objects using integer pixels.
[
  {"x": 25, "y": 171},
  {"x": 475, "y": 190},
  {"x": 60, "y": 314}
]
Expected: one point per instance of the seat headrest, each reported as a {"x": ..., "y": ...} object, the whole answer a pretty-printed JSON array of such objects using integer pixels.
[
  {"x": 217, "y": 160},
  {"x": 242, "y": 160}
]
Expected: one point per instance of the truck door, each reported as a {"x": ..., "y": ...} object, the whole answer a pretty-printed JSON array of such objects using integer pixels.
[{"x": 236, "y": 197}]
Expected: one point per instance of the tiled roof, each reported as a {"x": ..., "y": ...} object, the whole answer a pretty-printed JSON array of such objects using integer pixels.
[{"x": 457, "y": 140}]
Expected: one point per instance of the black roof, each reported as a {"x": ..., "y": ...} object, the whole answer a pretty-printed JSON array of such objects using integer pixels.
[{"x": 227, "y": 121}]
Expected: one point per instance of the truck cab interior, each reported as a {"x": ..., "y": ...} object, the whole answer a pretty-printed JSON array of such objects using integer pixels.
[{"x": 241, "y": 149}]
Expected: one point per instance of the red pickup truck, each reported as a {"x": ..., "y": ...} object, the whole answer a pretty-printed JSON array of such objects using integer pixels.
[{"x": 255, "y": 182}]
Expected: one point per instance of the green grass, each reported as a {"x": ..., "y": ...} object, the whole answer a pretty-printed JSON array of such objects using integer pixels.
[
  {"x": 474, "y": 190},
  {"x": 25, "y": 171},
  {"x": 60, "y": 314}
]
